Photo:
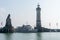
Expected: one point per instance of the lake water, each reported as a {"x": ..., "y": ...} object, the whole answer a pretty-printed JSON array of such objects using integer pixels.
[{"x": 30, "y": 36}]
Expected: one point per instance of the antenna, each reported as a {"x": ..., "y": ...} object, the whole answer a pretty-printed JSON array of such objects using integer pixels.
[
  {"x": 38, "y": 5},
  {"x": 26, "y": 23},
  {"x": 50, "y": 26},
  {"x": 2, "y": 23},
  {"x": 57, "y": 25}
]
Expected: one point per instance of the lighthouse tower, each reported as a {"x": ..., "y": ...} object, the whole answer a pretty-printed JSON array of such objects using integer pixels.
[{"x": 38, "y": 19}]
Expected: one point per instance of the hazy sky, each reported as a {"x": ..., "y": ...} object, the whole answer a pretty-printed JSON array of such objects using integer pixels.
[{"x": 24, "y": 12}]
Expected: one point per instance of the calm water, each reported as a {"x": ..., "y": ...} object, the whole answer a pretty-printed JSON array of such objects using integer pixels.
[{"x": 30, "y": 36}]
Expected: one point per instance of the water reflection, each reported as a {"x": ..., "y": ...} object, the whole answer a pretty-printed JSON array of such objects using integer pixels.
[
  {"x": 8, "y": 36},
  {"x": 38, "y": 37},
  {"x": 30, "y": 36}
]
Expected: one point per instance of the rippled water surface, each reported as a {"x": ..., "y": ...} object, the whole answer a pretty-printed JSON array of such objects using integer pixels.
[{"x": 30, "y": 36}]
